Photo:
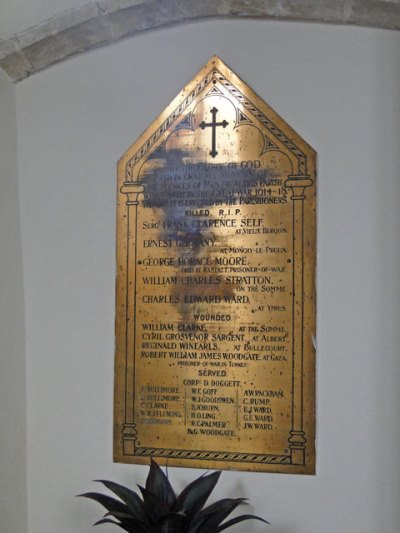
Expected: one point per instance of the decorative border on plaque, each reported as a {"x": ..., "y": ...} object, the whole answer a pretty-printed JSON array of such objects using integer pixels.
[
  {"x": 297, "y": 438},
  {"x": 214, "y": 456},
  {"x": 272, "y": 128},
  {"x": 166, "y": 124}
]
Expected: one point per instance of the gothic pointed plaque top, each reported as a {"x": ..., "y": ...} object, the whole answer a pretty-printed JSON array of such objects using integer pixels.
[{"x": 215, "y": 364}]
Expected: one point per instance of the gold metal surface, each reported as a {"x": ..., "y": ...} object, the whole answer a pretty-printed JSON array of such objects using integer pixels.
[{"x": 215, "y": 365}]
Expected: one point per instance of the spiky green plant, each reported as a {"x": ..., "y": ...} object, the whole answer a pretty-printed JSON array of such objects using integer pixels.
[{"x": 159, "y": 510}]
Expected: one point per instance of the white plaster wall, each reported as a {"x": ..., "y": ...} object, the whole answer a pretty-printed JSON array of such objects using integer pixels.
[
  {"x": 339, "y": 87},
  {"x": 13, "y": 510}
]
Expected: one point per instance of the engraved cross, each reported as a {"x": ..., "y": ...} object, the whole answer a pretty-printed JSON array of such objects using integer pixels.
[{"x": 214, "y": 124}]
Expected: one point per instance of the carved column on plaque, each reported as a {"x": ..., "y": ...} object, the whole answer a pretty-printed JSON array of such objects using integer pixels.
[
  {"x": 297, "y": 439},
  {"x": 132, "y": 191}
]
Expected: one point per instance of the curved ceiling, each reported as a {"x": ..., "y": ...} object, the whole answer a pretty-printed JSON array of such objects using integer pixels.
[
  {"x": 18, "y": 15},
  {"x": 39, "y": 33}
]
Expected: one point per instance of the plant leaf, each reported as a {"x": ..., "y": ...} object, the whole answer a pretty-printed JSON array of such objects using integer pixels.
[
  {"x": 173, "y": 523},
  {"x": 158, "y": 483},
  {"x": 108, "y": 521},
  {"x": 111, "y": 504},
  {"x": 238, "y": 519},
  {"x": 128, "y": 528},
  {"x": 210, "y": 518},
  {"x": 128, "y": 496},
  {"x": 154, "y": 508},
  {"x": 132, "y": 524},
  {"x": 194, "y": 496}
]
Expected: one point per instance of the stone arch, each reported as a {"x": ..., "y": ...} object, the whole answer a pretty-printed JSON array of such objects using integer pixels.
[{"x": 100, "y": 23}]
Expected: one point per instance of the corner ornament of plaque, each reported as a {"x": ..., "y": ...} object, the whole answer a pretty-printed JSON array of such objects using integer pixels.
[{"x": 215, "y": 292}]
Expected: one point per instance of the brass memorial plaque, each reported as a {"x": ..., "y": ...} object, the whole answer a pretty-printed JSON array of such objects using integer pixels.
[{"x": 215, "y": 363}]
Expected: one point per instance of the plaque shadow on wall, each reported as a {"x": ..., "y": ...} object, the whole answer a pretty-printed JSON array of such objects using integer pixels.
[{"x": 215, "y": 293}]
